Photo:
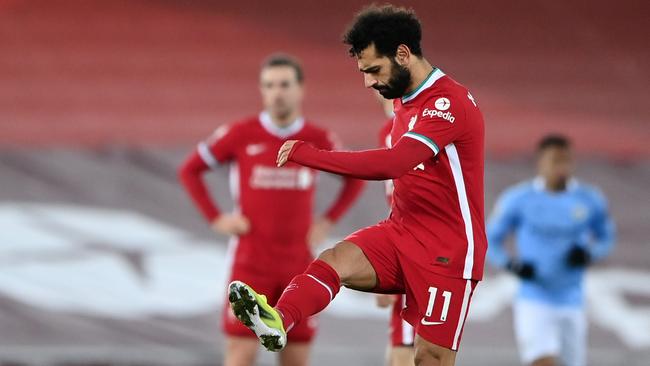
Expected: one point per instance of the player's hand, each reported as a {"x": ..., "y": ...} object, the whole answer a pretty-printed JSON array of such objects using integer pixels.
[
  {"x": 384, "y": 301},
  {"x": 231, "y": 224},
  {"x": 578, "y": 256},
  {"x": 318, "y": 232},
  {"x": 523, "y": 270},
  {"x": 283, "y": 153}
]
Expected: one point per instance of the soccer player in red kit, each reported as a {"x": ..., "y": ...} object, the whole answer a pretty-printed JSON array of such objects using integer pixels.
[
  {"x": 432, "y": 246},
  {"x": 272, "y": 224}
]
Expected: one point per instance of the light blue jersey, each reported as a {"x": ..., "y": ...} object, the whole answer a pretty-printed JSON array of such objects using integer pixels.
[{"x": 546, "y": 226}]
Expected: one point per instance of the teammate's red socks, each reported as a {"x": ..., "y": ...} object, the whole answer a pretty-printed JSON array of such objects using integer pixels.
[{"x": 308, "y": 293}]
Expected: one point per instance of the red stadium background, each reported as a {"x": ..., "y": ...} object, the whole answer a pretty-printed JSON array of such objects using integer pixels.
[
  {"x": 94, "y": 73},
  {"x": 100, "y": 100}
]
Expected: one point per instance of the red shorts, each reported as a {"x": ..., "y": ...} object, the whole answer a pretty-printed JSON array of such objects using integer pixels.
[
  {"x": 272, "y": 286},
  {"x": 436, "y": 305},
  {"x": 402, "y": 334}
]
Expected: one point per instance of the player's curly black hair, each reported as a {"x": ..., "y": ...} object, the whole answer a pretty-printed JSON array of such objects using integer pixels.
[{"x": 386, "y": 27}]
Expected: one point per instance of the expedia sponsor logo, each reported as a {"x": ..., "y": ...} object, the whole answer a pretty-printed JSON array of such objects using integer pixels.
[{"x": 447, "y": 116}]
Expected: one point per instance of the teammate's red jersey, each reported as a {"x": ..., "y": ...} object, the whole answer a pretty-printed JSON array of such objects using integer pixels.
[
  {"x": 441, "y": 200},
  {"x": 437, "y": 164},
  {"x": 384, "y": 133},
  {"x": 384, "y": 141},
  {"x": 278, "y": 202}
]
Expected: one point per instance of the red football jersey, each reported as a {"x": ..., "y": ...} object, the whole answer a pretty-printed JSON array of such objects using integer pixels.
[
  {"x": 277, "y": 201},
  {"x": 440, "y": 202}
]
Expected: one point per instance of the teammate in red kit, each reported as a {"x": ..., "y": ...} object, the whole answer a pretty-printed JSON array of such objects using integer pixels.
[
  {"x": 272, "y": 223},
  {"x": 432, "y": 247}
]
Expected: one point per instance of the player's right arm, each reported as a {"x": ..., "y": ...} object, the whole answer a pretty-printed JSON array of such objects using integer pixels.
[{"x": 218, "y": 149}]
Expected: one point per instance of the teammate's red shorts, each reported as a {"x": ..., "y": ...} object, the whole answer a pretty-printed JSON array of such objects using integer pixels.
[
  {"x": 402, "y": 334},
  {"x": 272, "y": 285},
  {"x": 436, "y": 305}
]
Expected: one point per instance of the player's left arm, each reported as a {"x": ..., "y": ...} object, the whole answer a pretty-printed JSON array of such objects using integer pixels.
[
  {"x": 437, "y": 124},
  {"x": 375, "y": 164},
  {"x": 602, "y": 227}
]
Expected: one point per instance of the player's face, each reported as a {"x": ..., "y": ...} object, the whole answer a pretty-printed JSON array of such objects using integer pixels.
[
  {"x": 281, "y": 92},
  {"x": 383, "y": 73},
  {"x": 555, "y": 165}
]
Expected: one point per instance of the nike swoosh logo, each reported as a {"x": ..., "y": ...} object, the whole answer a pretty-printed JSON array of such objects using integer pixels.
[{"x": 424, "y": 322}]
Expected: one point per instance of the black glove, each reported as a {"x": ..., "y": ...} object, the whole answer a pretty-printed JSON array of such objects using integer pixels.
[
  {"x": 578, "y": 257},
  {"x": 523, "y": 270}
]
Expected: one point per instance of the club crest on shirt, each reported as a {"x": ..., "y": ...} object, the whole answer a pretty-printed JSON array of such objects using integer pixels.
[
  {"x": 579, "y": 212},
  {"x": 412, "y": 122}
]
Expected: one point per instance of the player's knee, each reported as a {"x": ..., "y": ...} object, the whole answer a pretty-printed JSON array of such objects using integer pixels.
[
  {"x": 427, "y": 354},
  {"x": 328, "y": 256},
  {"x": 332, "y": 257},
  {"x": 338, "y": 257},
  {"x": 426, "y": 358}
]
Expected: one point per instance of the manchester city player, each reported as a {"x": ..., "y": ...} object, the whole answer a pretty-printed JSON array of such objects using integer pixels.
[{"x": 560, "y": 226}]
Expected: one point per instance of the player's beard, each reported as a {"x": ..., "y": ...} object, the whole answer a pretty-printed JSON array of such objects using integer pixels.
[{"x": 400, "y": 79}]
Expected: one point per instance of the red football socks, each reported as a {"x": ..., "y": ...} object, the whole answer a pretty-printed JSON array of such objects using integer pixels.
[{"x": 308, "y": 293}]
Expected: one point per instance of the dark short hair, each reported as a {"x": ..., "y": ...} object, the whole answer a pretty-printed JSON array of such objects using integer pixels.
[
  {"x": 281, "y": 59},
  {"x": 553, "y": 140},
  {"x": 386, "y": 27}
]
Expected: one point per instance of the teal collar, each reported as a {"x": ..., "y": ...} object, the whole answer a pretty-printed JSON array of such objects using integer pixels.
[{"x": 433, "y": 76}]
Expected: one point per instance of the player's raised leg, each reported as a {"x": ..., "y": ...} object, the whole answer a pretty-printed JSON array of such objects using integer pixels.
[
  {"x": 309, "y": 293},
  {"x": 306, "y": 295}
]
